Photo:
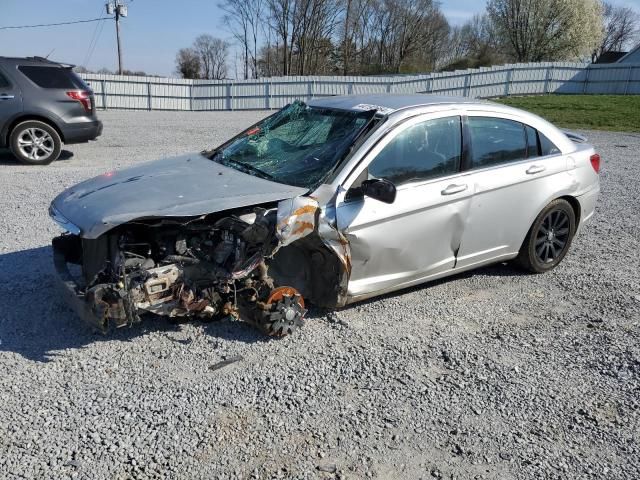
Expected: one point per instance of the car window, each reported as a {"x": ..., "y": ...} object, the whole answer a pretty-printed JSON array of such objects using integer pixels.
[
  {"x": 423, "y": 151},
  {"x": 532, "y": 142},
  {"x": 496, "y": 140},
  {"x": 547, "y": 147},
  {"x": 4, "y": 82},
  {"x": 53, "y": 77}
]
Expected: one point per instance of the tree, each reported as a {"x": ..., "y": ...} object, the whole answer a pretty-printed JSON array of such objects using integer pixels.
[
  {"x": 538, "y": 30},
  {"x": 244, "y": 19},
  {"x": 212, "y": 53},
  {"x": 474, "y": 45},
  {"x": 188, "y": 63},
  {"x": 621, "y": 27}
]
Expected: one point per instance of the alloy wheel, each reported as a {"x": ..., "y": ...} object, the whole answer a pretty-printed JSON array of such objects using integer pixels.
[
  {"x": 553, "y": 236},
  {"x": 36, "y": 144}
]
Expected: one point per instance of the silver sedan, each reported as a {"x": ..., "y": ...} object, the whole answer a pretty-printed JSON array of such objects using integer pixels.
[{"x": 329, "y": 202}]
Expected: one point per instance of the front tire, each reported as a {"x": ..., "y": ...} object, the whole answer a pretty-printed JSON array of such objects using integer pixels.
[
  {"x": 549, "y": 238},
  {"x": 35, "y": 143}
]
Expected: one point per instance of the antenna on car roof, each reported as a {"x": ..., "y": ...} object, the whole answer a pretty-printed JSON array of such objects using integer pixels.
[{"x": 52, "y": 50}]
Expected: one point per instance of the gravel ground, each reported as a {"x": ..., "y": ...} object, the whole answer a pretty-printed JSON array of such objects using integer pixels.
[{"x": 492, "y": 374}]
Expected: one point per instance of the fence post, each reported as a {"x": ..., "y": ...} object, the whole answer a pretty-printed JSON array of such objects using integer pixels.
[
  {"x": 191, "y": 96},
  {"x": 389, "y": 86},
  {"x": 467, "y": 84},
  {"x": 104, "y": 94},
  {"x": 429, "y": 85},
  {"x": 586, "y": 81},
  {"x": 507, "y": 86},
  {"x": 228, "y": 99},
  {"x": 626, "y": 86},
  {"x": 547, "y": 79},
  {"x": 148, "y": 95},
  {"x": 267, "y": 95},
  {"x": 310, "y": 89},
  {"x": 350, "y": 88}
]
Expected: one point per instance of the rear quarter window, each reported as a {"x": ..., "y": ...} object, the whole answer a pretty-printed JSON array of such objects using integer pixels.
[
  {"x": 4, "y": 82},
  {"x": 547, "y": 147},
  {"x": 53, "y": 77}
]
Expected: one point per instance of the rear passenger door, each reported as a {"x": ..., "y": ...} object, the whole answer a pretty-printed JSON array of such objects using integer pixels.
[
  {"x": 514, "y": 171},
  {"x": 10, "y": 101}
]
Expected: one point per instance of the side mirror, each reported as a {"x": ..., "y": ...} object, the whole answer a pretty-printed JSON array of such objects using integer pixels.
[{"x": 380, "y": 188}]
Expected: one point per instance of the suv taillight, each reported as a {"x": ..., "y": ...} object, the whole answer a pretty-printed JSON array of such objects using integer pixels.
[
  {"x": 595, "y": 162},
  {"x": 82, "y": 96}
]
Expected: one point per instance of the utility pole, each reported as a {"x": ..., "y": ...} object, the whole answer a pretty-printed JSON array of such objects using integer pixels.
[{"x": 120, "y": 10}]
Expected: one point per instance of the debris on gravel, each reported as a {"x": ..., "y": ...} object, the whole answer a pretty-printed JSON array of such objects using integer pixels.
[{"x": 492, "y": 374}]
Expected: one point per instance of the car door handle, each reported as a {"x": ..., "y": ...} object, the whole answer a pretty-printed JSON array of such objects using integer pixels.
[
  {"x": 533, "y": 169},
  {"x": 452, "y": 189},
  {"x": 4, "y": 96}
]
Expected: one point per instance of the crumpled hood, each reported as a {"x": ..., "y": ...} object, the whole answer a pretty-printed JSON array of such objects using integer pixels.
[{"x": 188, "y": 185}]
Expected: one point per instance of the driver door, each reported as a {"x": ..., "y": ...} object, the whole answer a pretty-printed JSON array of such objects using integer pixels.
[{"x": 418, "y": 235}]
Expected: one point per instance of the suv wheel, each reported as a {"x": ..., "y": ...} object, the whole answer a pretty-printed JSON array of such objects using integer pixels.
[{"x": 35, "y": 143}]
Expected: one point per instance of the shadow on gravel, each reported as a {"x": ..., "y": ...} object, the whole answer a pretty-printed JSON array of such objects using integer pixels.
[
  {"x": 504, "y": 269},
  {"x": 7, "y": 158},
  {"x": 36, "y": 323}
]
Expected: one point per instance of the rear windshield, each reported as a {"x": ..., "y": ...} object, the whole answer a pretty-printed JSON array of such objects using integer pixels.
[{"x": 53, "y": 77}]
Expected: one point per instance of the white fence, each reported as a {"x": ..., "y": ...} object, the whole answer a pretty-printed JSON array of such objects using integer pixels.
[{"x": 152, "y": 93}]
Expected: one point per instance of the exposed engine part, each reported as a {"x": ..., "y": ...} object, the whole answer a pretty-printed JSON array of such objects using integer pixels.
[{"x": 205, "y": 269}]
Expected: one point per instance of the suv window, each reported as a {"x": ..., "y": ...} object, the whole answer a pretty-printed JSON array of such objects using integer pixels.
[
  {"x": 4, "y": 82},
  {"x": 495, "y": 141},
  {"x": 53, "y": 77},
  {"x": 423, "y": 151}
]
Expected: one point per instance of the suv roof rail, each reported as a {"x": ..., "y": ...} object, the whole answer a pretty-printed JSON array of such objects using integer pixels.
[{"x": 37, "y": 58}]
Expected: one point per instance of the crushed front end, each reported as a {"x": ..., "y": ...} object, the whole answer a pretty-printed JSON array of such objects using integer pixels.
[{"x": 207, "y": 267}]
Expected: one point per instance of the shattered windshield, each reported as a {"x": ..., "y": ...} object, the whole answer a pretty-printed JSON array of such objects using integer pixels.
[{"x": 298, "y": 146}]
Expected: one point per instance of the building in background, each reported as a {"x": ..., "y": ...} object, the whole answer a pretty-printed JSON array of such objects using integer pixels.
[{"x": 632, "y": 57}]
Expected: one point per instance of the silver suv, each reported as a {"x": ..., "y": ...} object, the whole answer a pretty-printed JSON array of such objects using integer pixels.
[{"x": 43, "y": 104}]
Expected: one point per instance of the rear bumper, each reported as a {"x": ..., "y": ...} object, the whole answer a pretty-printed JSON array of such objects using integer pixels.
[
  {"x": 82, "y": 132},
  {"x": 588, "y": 203}
]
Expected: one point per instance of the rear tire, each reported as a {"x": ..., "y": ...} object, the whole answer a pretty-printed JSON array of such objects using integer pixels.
[
  {"x": 35, "y": 143},
  {"x": 549, "y": 238}
]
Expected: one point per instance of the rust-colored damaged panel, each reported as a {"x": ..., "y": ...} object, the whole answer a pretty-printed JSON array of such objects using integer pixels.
[{"x": 296, "y": 218}]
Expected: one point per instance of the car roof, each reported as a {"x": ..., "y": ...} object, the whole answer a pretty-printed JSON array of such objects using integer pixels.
[
  {"x": 388, "y": 102},
  {"x": 41, "y": 61}
]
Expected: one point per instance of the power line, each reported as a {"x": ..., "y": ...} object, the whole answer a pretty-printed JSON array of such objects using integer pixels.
[
  {"x": 56, "y": 24},
  {"x": 93, "y": 39},
  {"x": 94, "y": 44}
]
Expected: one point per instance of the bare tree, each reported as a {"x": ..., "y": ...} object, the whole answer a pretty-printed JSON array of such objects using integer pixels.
[
  {"x": 188, "y": 63},
  {"x": 621, "y": 28},
  {"x": 475, "y": 44},
  {"x": 244, "y": 18},
  {"x": 537, "y": 30},
  {"x": 212, "y": 53}
]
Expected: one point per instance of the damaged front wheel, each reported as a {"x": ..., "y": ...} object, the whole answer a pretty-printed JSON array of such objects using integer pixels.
[{"x": 283, "y": 312}]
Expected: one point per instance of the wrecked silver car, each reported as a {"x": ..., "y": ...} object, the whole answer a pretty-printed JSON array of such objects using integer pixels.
[{"x": 326, "y": 202}]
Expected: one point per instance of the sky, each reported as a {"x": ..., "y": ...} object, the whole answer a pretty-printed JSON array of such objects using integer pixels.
[{"x": 151, "y": 34}]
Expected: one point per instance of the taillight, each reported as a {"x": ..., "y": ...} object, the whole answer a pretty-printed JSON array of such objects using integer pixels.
[
  {"x": 595, "y": 162},
  {"x": 82, "y": 96}
]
